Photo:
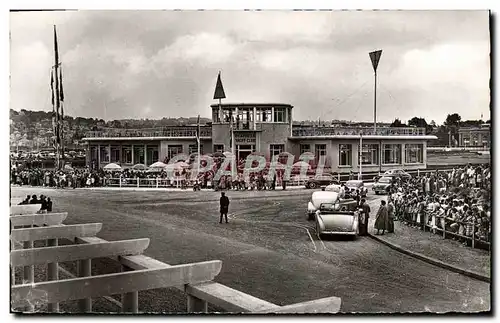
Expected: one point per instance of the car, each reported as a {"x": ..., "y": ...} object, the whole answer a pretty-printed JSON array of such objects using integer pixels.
[
  {"x": 319, "y": 198},
  {"x": 353, "y": 185},
  {"x": 381, "y": 186},
  {"x": 397, "y": 173},
  {"x": 337, "y": 219},
  {"x": 321, "y": 181}
]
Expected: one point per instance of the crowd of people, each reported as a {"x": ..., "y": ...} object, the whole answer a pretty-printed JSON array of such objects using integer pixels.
[
  {"x": 458, "y": 201},
  {"x": 129, "y": 177}
]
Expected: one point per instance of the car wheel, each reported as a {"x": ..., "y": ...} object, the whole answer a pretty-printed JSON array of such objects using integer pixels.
[
  {"x": 312, "y": 185},
  {"x": 318, "y": 230},
  {"x": 310, "y": 217}
]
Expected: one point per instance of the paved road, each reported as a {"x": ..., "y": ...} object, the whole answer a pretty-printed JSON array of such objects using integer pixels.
[{"x": 269, "y": 250}]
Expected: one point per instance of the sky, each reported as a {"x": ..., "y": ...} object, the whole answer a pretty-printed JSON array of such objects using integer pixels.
[{"x": 155, "y": 64}]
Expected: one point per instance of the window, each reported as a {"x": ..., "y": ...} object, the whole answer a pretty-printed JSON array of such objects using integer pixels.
[
  {"x": 139, "y": 154},
  {"x": 279, "y": 114},
  {"x": 226, "y": 115},
  {"x": 93, "y": 153},
  {"x": 266, "y": 114},
  {"x": 369, "y": 155},
  {"x": 218, "y": 148},
  {"x": 305, "y": 148},
  {"x": 414, "y": 154},
  {"x": 126, "y": 155},
  {"x": 320, "y": 151},
  {"x": 391, "y": 154},
  {"x": 152, "y": 154},
  {"x": 104, "y": 154},
  {"x": 345, "y": 155},
  {"x": 115, "y": 154},
  {"x": 215, "y": 115},
  {"x": 276, "y": 149},
  {"x": 174, "y": 150},
  {"x": 193, "y": 149}
]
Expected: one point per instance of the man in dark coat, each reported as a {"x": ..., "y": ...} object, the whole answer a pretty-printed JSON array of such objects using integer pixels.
[
  {"x": 390, "y": 215},
  {"x": 34, "y": 200},
  {"x": 364, "y": 217},
  {"x": 382, "y": 220},
  {"x": 49, "y": 205},
  {"x": 224, "y": 206}
]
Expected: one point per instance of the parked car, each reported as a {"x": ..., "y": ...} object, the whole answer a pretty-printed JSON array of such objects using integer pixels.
[
  {"x": 319, "y": 198},
  {"x": 381, "y": 186},
  {"x": 321, "y": 181},
  {"x": 337, "y": 219},
  {"x": 353, "y": 185},
  {"x": 397, "y": 173}
]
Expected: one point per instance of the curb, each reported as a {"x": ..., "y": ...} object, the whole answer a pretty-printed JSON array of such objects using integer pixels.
[{"x": 433, "y": 261}]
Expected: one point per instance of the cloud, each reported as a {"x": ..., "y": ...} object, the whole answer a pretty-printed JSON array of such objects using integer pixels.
[{"x": 164, "y": 63}]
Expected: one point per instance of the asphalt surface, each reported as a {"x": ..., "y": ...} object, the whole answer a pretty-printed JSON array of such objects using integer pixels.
[{"x": 269, "y": 250}]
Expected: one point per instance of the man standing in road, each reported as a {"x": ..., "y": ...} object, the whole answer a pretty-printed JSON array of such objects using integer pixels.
[
  {"x": 224, "y": 206},
  {"x": 364, "y": 216}
]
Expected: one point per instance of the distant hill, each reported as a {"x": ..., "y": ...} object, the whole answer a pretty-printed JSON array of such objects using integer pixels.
[{"x": 33, "y": 129}]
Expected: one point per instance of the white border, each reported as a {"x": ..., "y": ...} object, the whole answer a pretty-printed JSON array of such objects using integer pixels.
[{"x": 193, "y": 5}]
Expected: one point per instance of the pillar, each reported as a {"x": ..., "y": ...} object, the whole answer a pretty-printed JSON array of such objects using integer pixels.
[
  {"x": 133, "y": 154},
  {"x": 145, "y": 154},
  {"x": 254, "y": 118},
  {"x": 98, "y": 164},
  {"x": 272, "y": 114}
]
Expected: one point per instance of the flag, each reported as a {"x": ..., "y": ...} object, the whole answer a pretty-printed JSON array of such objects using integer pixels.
[
  {"x": 219, "y": 89},
  {"x": 52, "y": 87},
  {"x": 61, "y": 92},
  {"x": 55, "y": 45}
]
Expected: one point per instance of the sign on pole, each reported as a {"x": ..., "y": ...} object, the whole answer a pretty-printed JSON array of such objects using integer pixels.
[{"x": 375, "y": 57}]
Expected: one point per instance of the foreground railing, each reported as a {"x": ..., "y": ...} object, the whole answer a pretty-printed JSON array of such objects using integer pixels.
[
  {"x": 138, "y": 273},
  {"x": 348, "y": 131},
  {"x": 443, "y": 224}
]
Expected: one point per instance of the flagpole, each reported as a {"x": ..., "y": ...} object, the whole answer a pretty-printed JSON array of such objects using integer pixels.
[
  {"x": 198, "y": 137},
  {"x": 360, "y": 159},
  {"x": 58, "y": 125}
]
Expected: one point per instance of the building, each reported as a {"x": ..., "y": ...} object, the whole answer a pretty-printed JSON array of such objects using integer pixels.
[
  {"x": 266, "y": 128},
  {"x": 475, "y": 136}
]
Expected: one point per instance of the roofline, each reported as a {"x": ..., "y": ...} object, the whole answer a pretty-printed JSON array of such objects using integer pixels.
[
  {"x": 230, "y": 105},
  {"x": 357, "y": 137}
]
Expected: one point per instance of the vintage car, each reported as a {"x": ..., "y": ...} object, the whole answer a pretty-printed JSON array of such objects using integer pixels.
[
  {"x": 397, "y": 173},
  {"x": 381, "y": 186},
  {"x": 321, "y": 181},
  {"x": 353, "y": 185},
  {"x": 324, "y": 198},
  {"x": 337, "y": 219}
]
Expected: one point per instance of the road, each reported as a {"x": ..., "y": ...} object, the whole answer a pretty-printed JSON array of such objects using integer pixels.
[{"x": 269, "y": 250}]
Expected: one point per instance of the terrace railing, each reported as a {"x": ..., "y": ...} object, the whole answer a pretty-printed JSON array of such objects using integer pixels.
[
  {"x": 177, "y": 132},
  {"x": 138, "y": 272},
  {"x": 355, "y": 131}
]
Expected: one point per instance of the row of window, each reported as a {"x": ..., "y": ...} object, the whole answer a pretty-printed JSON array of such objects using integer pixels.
[
  {"x": 369, "y": 154},
  {"x": 137, "y": 155},
  {"x": 391, "y": 153},
  {"x": 245, "y": 116}
]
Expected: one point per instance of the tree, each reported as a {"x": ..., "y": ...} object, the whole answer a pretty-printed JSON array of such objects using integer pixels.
[
  {"x": 397, "y": 123},
  {"x": 453, "y": 120},
  {"x": 420, "y": 123}
]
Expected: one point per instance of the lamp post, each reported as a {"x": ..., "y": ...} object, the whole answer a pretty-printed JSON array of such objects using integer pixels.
[{"x": 375, "y": 58}]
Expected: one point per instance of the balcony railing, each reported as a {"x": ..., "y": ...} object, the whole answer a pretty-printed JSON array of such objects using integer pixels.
[
  {"x": 158, "y": 132},
  {"x": 355, "y": 131}
]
